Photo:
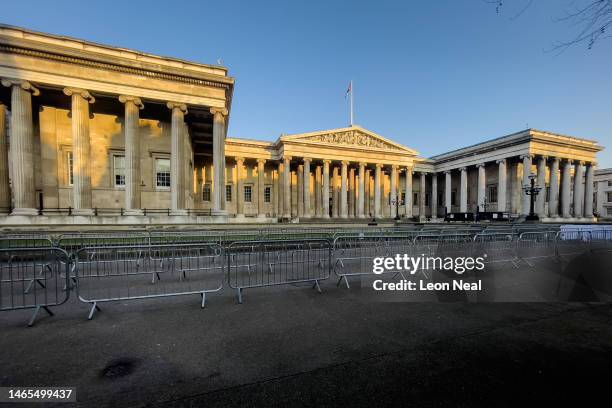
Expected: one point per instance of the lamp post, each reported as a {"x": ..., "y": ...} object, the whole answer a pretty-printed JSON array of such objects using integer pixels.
[
  {"x": 397, "y": 201},
  {"x": 532, "y": 190}
]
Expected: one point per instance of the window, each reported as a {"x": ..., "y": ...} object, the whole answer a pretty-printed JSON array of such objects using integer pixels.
[
  {"x": 403, "y": 197},
  {"x": 70, "y": 162},
  {"x": 454, "y": 197},
  {"x": 492, "y": 194},
  {"x": 415, "y": 198},
  {"x": 119, "y": 170},
  {"x": 228, "y": 193},
  {"x": 610, "y": 196},
  {"x": 267, "y": 194},
  {"x": 248, "y": 193},
  {"x": 206, "y": 192},
  {"x": 162, "y": 173},
  {"x": 609, "y": 183}
]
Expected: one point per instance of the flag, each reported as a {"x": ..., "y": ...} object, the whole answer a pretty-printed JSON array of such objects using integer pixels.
[{"x": 349, "y": 89}]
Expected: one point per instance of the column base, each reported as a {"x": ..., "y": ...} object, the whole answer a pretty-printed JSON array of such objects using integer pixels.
[
  {"x": 326, "y": 216},
  {"x": 24, "y": 211},
  {"x": 261, "y": 216},
  {"x": 239, "y": 216},
  {"x": 218, "y": 213},
  {"x": 180, "y": 213},
  {"x": 83, "y": 211},
  {"x": 133, "y": 211}
]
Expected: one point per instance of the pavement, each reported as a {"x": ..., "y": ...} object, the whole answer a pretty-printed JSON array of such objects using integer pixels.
[{"x": 291, "y": 346}]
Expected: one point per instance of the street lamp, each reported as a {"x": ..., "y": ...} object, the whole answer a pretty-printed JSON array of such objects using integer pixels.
[
  {"x": 397, "y": 201},
  {"x": 532, "y": 190}
]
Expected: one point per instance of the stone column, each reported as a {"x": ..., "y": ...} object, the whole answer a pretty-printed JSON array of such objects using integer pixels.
[
  {"x": 448, "y": 191},
  {"x": 565, "y": 189},
  {"x": 318, "y": 199},
  {"x": 393, "y": 191},
  {"x": 274, "y": 197},
  {"x": 239, "y": 188},
  {"x": 588, "y": 191},
  {"x": 336, "y": 196},
  {"x": 553, "y": 201},
  {"x": 22, "y": 146},
  {"x": 351, "y": 194},
  {"x": 482, "y": 181},
  {"x": 132, "y": 153},
  {"x": 434, "y": 195},
  {"x": 219, "y": 115},
  {"x": 325, "y": 192},
  {"x": 408, "y": 203},
  {"x": 361, "y": 191},
  {"x": 578, "y": 190},
  {"x": 463, "y": 192},
  {"x": 287, "y": 186},
  {"x": 306, "y": 184},
  {"x": 501, "y": 185},
  {"x": 377, "y": 192},
  {"x": 422, "y": 192},
  {"x": 525, "y": 202},
  {"x": 261, "y": 210},
  {"x": 177, "y": 160},
  {"x": 300, "y": 190},
  {"x": 281, "y": 189},
  {"x": 81, "y": 187},
  {"x": 541, "y": 182},
  {"x": 343, "y": 190},
  {"x": 5, "y": 191}
]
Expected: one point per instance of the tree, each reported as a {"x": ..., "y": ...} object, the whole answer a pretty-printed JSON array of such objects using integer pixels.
[{"x": 592, "y": 18}]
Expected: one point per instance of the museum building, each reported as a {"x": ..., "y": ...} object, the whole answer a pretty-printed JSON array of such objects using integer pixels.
[{"x": 97, "y": 134}]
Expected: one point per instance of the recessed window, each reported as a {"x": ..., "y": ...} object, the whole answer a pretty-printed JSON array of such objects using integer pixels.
[
  {"x": 454, "y": 197},
  {"x": 267, "y": 194},
  {"x": 415, "y": 198},
  {"x": 119, "y": 170},
  {"x": 248, "y": 194},
  {"x": 162, "y": 173},
  {"x": 403, "y": 197},
  {"x": 492, "y": 194},
  {"x": 610, "y": 196},
  {"x": 206, "y": 192},
  {"x": 70, "y": 162},
  {"x": 228, "y": 193}
]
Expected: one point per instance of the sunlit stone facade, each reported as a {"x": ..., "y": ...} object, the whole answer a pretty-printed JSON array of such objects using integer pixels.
[{"x": 97, "y": 134}]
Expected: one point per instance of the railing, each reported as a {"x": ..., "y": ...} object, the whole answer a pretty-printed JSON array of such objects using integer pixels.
[
  {"x": 118, "y": 212},
  {"x": 39, "y": 270}
]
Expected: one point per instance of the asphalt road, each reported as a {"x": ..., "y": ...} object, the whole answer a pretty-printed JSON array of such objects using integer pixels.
[{"x": 290, "y": 346}]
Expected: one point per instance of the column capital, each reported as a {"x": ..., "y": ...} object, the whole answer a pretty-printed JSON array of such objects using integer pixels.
[
  {"x": 447, "y": 172},
  {"x": 500, "y": 161},
  {"x": 567, "y": 161},
  {"x": 363, "y": 164},
  {"x": 345, "y": 162},
  {"x": 177, "y": 105},
  {"x": 555, "y": 159},
  {"x": 79, "y": 91},
  {"x": 579, "y": 162},
  {"x": 129, "y": 98},
  {"x": 479, "y": 165},
  {"x": 327, "y": 161},
  {"x": 219, "y": 111},
  {"x": 544, "y": 157},
  {"x": 239, "y": 159},
  {"x": 462, "y": 169},
  {"x": 379, "y": 165},
  {"x": 287, "y": 158},
  {"x": 261, "y": 161},
  {"x": 307, "y": 159},
  {"x": 526, "y": 156},
  {"x": 394, "y": 166},
  {"x": 25, "y": 85}
]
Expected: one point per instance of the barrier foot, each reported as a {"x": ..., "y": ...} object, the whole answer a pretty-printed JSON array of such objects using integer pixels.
[
  {"x": 345, "y": 281},
  {"x": 239, "y": 295},
  {"x": 94, "y": 307},
  {"x": 203, "y": 294},
  {"x": 316, "y": 286},
  {"x": 33, "y": 318}
]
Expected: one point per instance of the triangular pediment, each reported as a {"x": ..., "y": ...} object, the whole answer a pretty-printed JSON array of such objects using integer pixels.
[{"x": 354, "y": 136}]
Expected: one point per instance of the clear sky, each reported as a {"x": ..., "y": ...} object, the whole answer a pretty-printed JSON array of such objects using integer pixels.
[{"x": 433, "y": 75}]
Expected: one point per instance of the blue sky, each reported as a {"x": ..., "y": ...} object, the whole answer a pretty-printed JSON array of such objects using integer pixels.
[{"x": 433, "y": 75}]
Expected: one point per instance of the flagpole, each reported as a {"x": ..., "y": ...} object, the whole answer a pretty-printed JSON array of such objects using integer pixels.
[{"x": 351, "y": 102}]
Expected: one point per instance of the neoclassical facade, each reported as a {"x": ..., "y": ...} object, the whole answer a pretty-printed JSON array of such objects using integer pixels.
[{"x": 98, "y": 134}]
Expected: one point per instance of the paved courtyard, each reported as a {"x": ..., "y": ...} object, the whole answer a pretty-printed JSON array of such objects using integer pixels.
[{"x": 291, "y": 346}]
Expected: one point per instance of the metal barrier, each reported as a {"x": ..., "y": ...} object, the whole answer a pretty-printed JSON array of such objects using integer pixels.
[
  {"x": 572, "y": 243},
  {"x": 497, "y": 247},
  {"x": 536, "y": 245},
  {"x": 253, "y": 264},
  {"x": 106, "y": 274},
  {"x": 354, "y": 255},
  {"x": 33, "y": 278}
]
